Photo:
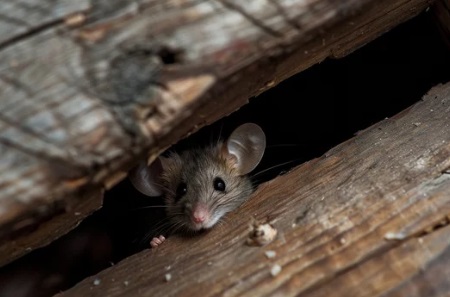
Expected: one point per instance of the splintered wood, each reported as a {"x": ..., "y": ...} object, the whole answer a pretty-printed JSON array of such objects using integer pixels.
[
  {"x": 261, "y": 234},
  {"x": 377, "y": 224}
]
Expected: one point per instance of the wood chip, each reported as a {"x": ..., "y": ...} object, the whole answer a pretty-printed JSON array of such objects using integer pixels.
[
  {"x": 270, "y": 254},
  {"x": 261, "y": 234},
  {"x": 394, "y": 236},
  {"x": 276, "y": 269}
]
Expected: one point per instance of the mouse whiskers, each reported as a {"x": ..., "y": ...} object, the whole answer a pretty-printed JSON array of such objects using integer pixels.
[
  {"x": 231, "y": 199},
  {"x": 273, "y": 167},
  {"x": 223, "y": 222},
  {"x": 159, "y": 229}
]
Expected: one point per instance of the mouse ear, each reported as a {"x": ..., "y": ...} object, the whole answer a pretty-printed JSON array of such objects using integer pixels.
[
  {"x": 246, "y": 144},
  {"x": 145, "y": 178}
]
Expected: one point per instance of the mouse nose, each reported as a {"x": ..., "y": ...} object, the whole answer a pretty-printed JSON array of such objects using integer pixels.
[
  {"x": 200, "y": 214},
  {"x": 198, "y": 218}
]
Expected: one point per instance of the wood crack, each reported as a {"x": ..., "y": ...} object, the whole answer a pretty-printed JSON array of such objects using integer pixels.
[
  {"x": 378, "y": 253},
  {"x": 31, "y": 32},
  {"x": 280, "y": 9},
  {"x": 368, "y": 257}
]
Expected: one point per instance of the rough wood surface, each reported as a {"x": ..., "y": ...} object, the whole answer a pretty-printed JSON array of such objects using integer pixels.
[
  {"x": 369, "y": 218},
  {"x": 89, "y": 87}
]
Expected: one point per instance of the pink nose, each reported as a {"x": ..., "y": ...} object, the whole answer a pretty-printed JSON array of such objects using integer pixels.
[
  {"x": 199, "y": 218},
  {"x": 200, "y": 214}
]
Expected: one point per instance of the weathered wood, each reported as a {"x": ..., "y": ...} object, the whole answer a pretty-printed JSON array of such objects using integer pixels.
[
  {"x": 369, "y": 218},
  {"x": 18, "y": 19},
  {"x": 65, "y": 218},
  {"x": 89, "y": 87}
]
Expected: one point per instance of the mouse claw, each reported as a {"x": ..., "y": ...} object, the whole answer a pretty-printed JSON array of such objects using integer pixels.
[{"x": 156, "y": 241}]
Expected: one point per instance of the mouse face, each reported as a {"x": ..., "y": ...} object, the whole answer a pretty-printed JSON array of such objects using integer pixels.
[{"x": 201, "y": 185}]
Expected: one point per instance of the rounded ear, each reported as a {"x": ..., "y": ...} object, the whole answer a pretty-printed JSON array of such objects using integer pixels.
[
  {"x": 246, "y": 144},
  {"x": 145, "y": 178}
]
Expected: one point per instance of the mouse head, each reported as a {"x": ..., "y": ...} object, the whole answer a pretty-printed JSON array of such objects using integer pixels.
[{"x": 201, "y": 185}]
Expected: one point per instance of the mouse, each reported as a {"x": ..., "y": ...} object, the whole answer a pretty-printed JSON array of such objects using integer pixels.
[{"x": 200, "y": 186}]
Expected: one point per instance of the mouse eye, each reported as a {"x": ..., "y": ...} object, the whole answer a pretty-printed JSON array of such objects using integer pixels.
[
  {"x": 219, "y": 184},
  {"x": 181, "y": 190}
]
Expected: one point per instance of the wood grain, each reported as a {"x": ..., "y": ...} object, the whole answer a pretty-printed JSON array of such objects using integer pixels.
[
  {"x": 88, "y": 88},
  {"x": 369, "y": 218},
  {"x": 65, "y": 218}
]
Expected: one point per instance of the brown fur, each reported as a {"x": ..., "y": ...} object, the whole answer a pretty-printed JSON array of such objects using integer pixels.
[{"x": 198, "y": 168}]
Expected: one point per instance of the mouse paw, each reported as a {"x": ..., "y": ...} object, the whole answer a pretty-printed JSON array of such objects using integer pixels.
[{"x": 156, "y": 241}]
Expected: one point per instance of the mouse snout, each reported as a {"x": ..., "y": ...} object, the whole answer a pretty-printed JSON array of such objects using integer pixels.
[{"x": 200, "y": 214}]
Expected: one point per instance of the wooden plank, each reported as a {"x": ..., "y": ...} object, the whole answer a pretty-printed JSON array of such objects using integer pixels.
[
  {"x": 418, "y": 267},
  {"x": 415, "y": 267},
  {"x": 25, "y": 17},
  {"x": 65, "y": 218},
  {"x": 369, "y": 218},
  {"x": 88, "y": 90}
]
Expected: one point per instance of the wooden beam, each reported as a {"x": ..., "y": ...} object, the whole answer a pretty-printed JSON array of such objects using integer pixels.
[
  {"x": 87, "y": 88},
  {"x": 371, "y": 217},
  {"x": 64, "y": 219}
]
